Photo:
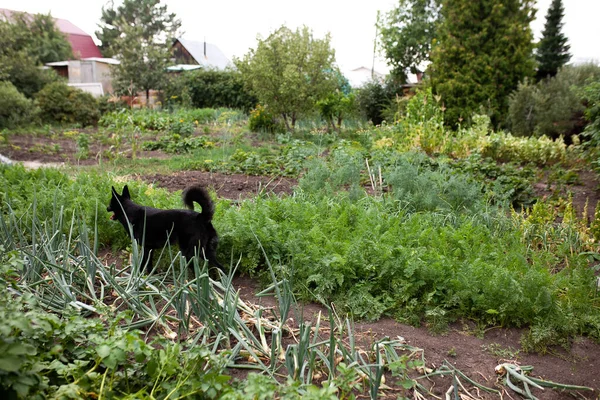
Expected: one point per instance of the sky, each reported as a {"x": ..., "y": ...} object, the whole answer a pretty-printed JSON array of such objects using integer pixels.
[{"x": 233, "y": 25}]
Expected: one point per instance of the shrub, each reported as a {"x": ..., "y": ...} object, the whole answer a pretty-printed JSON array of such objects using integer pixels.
[
  {"x": 64, "y": 104},
  {"x": 521, "y": 109},
  {"x": 109, "y": 103},
  {"x": 15, "y": 108},
  {"x": 262, "y": 120},
  {"x": 424, "y": 108},
  {"x": 22, "y": 71},
  {"x": 591, "y": 95},
  {"x": 335, "y": 107},
  {"x": 372, "y": 101},
  {"x": 552, "y": 107},
  {"x": 206, "y": 88}
]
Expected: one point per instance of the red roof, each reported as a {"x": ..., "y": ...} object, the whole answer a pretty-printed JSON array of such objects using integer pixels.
[{"x": 82, "y": 44}]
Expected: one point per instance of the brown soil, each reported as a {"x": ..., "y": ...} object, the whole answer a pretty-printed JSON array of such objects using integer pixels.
[
  {"x": 58, "y": 150},
  {"x": 476, "y": 357},
  {"x": 460, "y": 346},
  {"x": 232, "y": 187}
]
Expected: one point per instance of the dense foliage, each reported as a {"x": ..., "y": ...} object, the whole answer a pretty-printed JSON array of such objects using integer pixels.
[
  {"x": 25, "y": 43},
  {"x": 552, "y": 107},
  {"x": 483, "y": 50},
  {"x": 15, "y": 108},
  {"x": 407, "y": 33},
  {"x": 35, "y": 35},
  {"x": 61, "y": 103},
  {"x": 206, "y": 88},
  {"x": 151, "y": 14}
]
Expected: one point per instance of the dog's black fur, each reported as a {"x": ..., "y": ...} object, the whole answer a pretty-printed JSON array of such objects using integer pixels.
[{"x": 192, "y": 231}]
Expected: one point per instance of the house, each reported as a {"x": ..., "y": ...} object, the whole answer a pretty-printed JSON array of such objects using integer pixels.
[
  {"x": 206, "y": 55},
  {"x": 90, "y": 74},
  {"x": 361, "y": 75},
  {"x": 82, "y": 44}
]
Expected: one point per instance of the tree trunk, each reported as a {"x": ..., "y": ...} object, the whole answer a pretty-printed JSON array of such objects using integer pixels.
[{"x": 285, "y": 120}]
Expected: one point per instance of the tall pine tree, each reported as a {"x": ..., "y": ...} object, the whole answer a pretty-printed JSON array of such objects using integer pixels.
[
  {"x": 553, "y": 50},
  {"x": 483, "y": 49}
]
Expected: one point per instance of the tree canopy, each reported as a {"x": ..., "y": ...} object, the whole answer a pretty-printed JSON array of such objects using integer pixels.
[
  {"x": 552, "y": 51},
  {"x": 290, "y": 71},
  {"x": 36, "y": 35},
  {"x": 139, "y": 33},
  {"x": 150, "y": 15},
  {"x": 26, "y": 42},
  {"x": 406, "y": 34},
  {"x": 483, "y": 50}
]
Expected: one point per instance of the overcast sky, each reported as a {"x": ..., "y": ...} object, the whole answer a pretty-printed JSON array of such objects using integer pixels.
[{"x": 233, "y": 25}]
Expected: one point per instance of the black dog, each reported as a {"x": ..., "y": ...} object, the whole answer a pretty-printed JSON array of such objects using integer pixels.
[{"x": 192, "y": 231}]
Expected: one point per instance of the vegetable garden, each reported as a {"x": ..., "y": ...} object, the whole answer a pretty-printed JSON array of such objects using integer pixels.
[{"x": 468, "y": 232}]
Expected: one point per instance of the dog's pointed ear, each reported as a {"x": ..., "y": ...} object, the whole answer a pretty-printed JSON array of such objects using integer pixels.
[
  {"x": 126, "y": 192},
  {"x": 114, "y": 192}
]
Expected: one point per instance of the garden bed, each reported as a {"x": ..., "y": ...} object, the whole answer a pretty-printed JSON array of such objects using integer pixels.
[{"x": 463, "y": 345}]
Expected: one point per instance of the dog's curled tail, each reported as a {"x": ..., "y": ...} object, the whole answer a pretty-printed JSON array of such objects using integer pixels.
[{"x": 199, "y": 195}]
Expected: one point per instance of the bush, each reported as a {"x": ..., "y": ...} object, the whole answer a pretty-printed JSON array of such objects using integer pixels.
[
  {"x": 24, "y": 74},
  {"x": 372, "y": 101},
  {"x": 591, "y": 95},
  {"x": 553, "y": 106},
  {"x": 64, "y": 104},
  {"x": 262, "y": 120},
  {"x": 209, "y": 89},
  {"x": 15, "y": 108}
]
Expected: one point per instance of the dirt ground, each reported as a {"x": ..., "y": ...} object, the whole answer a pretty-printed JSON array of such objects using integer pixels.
[
  {"x": 474, "y": 356},
  {"x": 233, "y": 187}
]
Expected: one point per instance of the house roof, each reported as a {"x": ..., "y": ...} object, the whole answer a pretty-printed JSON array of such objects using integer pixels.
[
  {"x": 65, "y": 63},
  {"x": 211, "y": 57},
  {"x": 82, "y": 44},
  {"x": 358, "y": 77}
]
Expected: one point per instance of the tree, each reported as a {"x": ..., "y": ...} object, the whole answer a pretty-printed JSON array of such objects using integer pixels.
[
  {"x": 553, "y": 50},
  {"x": 152, "y": 16},
  {"x": 139, "y": 34},
  {"x": 289, "y": 72},
  {"x": 483, "y": 50},
  {"x": 37, "y": 35},
  {"x": 406, "y": 34},
  {"x": 26, "y": 42},
  {"x": 338, "y": 104}
]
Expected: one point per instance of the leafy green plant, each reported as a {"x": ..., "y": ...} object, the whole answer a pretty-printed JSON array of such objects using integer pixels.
[
  {"x": 261, "y": 120},
  {"x": 83, "y": 146},
  {"x": 64, "y": 104},
  {"x": 15, "y": 108},
  {"x": 175, "y": 143},
  {"x": 182, "y": 127}
]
